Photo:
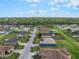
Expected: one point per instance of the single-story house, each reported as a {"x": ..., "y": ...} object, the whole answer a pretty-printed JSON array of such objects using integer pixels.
[
  {"x": 47, "y": 42},
  {"x": 46, "y": 35},
  {"x": 21, "y": 34},
  {"x": 11, "y": 41},
  {"x": 3, "y": 32},
  {"x": 26, "y": 29},
  {"x": 4, "y": 50},
  {"x": 52, "y": 33},
  {"x": 44, "y": 29}
]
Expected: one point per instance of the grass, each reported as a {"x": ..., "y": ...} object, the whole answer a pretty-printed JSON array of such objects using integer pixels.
[
  {"x": 19, "y": 47},
  {"x": 76, "y": 38},
  {"x": 36, "y": 48},
  {"x": 10, "y": 35},
  {"x": 13, "y": 56},
  {"x": 59, "y": 37},
  {"x": 37, "y": 39},
  {"x": 25, "y": 38},
  {"x": 69, "y": 43}
]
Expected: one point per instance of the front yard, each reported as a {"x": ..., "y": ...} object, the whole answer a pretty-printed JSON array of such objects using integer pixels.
[
  {"x": 37, "y": 39},
  {"x": 36, "y": 48},
  {"x": 13, "y": 56}
]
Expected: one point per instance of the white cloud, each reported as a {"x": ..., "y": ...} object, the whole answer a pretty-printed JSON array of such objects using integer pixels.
[
  {"x": 33, "y": 5},
  {"x": 52, "y": 2},
  {"x": 69, "y": 3},
  {"x": 62, "y": 13},
  {"x": 75, "y": 8},
  {"x": 37, "y": 13},
  {"x": 52, "y": 8},
  {"x": 74, "y": 2},
  {"x": 32, "y": 1}
]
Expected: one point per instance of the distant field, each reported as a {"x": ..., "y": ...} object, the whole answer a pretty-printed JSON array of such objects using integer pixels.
[{"x": 40, "y": 20}]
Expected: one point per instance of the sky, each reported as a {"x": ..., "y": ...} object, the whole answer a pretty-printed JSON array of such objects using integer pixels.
[{"x": 39, "y": 8}]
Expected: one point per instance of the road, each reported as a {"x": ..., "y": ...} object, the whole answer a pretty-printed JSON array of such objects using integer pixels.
[{"x": 26, "y": 51}]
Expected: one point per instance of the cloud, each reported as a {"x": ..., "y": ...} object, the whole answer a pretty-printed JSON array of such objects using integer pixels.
[
  {"x": 32, "y": 1},
  {"x": 33, "y": 5},
  {"x": 52, "y": 2},
  {"x": 52, "y": 8},
  {"x": 74, "y": 2},
  {"x": 62, "y": 13},
  {"x": 75, "y": 8},
  {"x": 65, "y": 3},
  {"x": 37, "y": 13}
]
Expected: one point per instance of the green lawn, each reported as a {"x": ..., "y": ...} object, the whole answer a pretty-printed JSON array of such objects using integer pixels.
[
  {"x": 13, "y": 56},
  {"x": 10, "y": 35},
  {"x": 37, "y": 38},
  {"x": 25, "y": 38},
  {"x": 19, "y": 47},
  {"x": 69, "y": 43},
  {"x": 37, "y": 48}
]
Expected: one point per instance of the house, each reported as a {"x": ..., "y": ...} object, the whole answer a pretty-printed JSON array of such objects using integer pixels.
[
  {"x": 4, "y": 50},
  {"x": 52, "y": 33},
  {"x": 3, "y": 32},
  {"x": 26, "y": 29},
  {"x": 75, "y": 34},
  {"x": 46, "y": 35},
  {"x": 43, "y": 29},
  {"x": 47, "y": 42},
  {"x": 49, "y": 53},
  {"x": 10, "y": 41},
  {"x": 21, "y": 34}
]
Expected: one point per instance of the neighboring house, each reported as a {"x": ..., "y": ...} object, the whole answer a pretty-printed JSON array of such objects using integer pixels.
[
  {"x": 52, "y": 33},
  {"x": 26, "y": 29},
  {"x": 43, "y": 29},
  {"x": 11, "y": 41},
  {"x": 29, "y": 25},
  {"x": 47, "y": 42},
  {"x": 49, "y": 53},
  {"x": 46, "y": 35},
  {"x": 3, "y": 32},
  {"x": 4, "y": 50},
  {"x": 21, "y": 34},
  {"x": 75, "y": 34}
]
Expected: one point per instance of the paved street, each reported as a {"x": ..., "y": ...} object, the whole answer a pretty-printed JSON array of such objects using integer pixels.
[{"x": 26, "y": 51}]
